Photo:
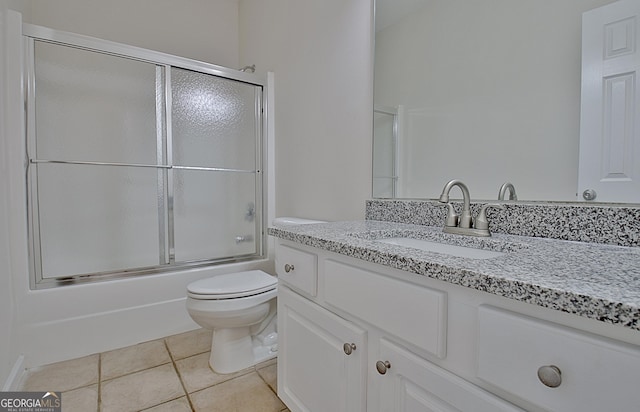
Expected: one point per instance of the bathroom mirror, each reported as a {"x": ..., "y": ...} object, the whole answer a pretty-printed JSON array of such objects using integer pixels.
[{"x": 485, "y": 91}]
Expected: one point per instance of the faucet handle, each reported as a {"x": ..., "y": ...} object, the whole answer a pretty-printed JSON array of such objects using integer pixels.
[
  {"x": 452, "y": 217},
  {"x": 481, "y": 221}
]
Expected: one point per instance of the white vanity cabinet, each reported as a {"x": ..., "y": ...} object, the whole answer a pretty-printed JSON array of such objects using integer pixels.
[
  {"x": 357, "y": 336},
  {"x": 360, "y": 341}
]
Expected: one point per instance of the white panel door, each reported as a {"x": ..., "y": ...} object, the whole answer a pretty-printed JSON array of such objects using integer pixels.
[
  {"x": 610, "y": 116},
  {"x": 408, "y": 383},
  {"x": 316, "y": 371}
]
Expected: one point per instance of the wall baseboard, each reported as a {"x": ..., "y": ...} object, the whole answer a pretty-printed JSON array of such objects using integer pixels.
[{"x": 15, "y": 376}]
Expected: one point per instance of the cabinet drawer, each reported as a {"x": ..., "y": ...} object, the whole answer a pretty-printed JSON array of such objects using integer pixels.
[
  {"x": 297, "y": 268},
  {"x": 596, "y": 374},
  {"x": 413, "y": 313}
]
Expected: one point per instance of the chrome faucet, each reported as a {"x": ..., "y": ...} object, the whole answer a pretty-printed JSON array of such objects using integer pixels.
[
  {"x": 503, "y": 190},
  {"x": 464, "y": 224}
]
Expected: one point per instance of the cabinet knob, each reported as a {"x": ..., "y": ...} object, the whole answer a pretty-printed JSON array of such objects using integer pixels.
[
  {"x": 288, "y": 268},
  {"x": 550, "y": 375},
  {"x": 349, "y": 348},
  {"x": 382, "y": 366}
]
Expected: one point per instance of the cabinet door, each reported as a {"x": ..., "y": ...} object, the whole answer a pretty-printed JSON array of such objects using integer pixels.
[
  {"x": 315, "y": 373},
  {"x": 412, "y": 384}
]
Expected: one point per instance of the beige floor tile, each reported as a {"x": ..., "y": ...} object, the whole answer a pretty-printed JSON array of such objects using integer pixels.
[
  {"x": 196, "y": 373},
  {"x": 133, "y": 359},
  {"x": 189, "y": 343},
  {"x": 81, "y": 400},
  {"x": 63, "y": 376},
  {"x": 141, "y": 390},
  {"x": 245, "y": 393},
  {"x": 270, "y": 375},
  {"x": 264, "y": 364},
  {"x": 177, "y": 405}
]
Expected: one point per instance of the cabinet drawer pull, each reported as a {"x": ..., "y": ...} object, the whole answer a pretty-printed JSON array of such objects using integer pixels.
[
  {"x": 288, "y": 268},
  {"x": 550, "y": 375},
  {"x": 382, "y": 366},
  {"x": 349, "y": 348}
]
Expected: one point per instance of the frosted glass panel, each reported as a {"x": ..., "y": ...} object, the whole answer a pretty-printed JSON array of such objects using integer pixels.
[
  {"x": 210, "y": 213},
  {"x": 96, "y": 218},
  {"x": 94, "y": 107},
  {"x": 214, "y": 121}
]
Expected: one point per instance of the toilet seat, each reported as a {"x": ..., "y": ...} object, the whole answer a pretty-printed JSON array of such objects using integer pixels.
[{"x": 232, "y": 285}]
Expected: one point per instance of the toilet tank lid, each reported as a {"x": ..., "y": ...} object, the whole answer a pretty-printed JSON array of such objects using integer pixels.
[
  {"x": 280, "y": 221},
  {"x": 233, "y": 283}
]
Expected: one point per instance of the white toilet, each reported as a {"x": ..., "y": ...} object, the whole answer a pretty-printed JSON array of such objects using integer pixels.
[{"x": 240, "y": 308}]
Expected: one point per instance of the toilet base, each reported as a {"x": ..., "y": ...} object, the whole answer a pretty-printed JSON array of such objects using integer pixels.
[{"x": 235, "y": 349}]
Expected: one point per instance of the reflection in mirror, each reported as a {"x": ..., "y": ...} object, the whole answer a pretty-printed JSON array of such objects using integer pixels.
[
  {"x": 486, "y": 92},
  {"x": 385, "y": 138}
]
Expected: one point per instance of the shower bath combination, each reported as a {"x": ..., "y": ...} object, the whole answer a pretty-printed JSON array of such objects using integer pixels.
[{"x": 139, "y": 162}]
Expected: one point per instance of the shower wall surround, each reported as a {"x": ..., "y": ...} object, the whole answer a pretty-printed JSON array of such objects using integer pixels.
[{"x": 595, "y": 223}]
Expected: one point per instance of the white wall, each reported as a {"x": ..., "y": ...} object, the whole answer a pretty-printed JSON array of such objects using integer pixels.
[
  {"x": 492, "y": 94},
  {"x": 8, "y": 348},
  {"x": 205, "y": 30},
  {"x": 321, "y": 54}
]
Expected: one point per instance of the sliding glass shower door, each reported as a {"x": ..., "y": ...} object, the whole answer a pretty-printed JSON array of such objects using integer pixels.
[
  {"x": 214, "y": 156},
  {"x": 137, "y": 166}
]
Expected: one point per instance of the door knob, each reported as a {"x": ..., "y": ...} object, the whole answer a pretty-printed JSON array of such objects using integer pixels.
[
  {"x": 589, "y": 194},
  {"x": 288, "y": 268}
]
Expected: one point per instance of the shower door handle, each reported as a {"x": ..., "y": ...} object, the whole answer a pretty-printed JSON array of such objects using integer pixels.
[{"x": 245, "y": 238}]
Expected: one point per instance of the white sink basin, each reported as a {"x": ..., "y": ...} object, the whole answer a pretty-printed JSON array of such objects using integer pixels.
[{"x": 443, "y": 248}]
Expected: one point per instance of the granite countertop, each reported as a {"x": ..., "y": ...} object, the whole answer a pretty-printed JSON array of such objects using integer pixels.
[{"x": 593, "y": 280}]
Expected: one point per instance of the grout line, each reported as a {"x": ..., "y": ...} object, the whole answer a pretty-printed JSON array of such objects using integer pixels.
[
  {"x": 175, "y": 368},
  {"x": 138, "y": 371},
  {"x": 275, "y": 392}
]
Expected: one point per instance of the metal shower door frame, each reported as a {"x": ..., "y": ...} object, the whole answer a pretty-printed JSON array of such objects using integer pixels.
[{"x": 164, "y": 158}]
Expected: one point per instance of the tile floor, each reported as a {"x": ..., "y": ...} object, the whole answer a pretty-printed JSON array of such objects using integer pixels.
[{"x": 170, "y": 374}]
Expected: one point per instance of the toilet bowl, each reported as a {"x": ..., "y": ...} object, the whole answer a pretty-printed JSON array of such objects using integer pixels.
[{"x": 240, "y": 308}]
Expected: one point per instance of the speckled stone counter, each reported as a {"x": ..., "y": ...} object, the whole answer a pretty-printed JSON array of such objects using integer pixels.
[
  {"x": 612, "y": 224},
  {"x": 596, "y": 281}
]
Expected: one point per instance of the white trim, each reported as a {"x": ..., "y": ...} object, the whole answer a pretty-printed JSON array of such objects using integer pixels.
[
  {"x": 132, "y": 52},
  {"x": 270, "y": 168},
  {"x": 15, "y": 376}
]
